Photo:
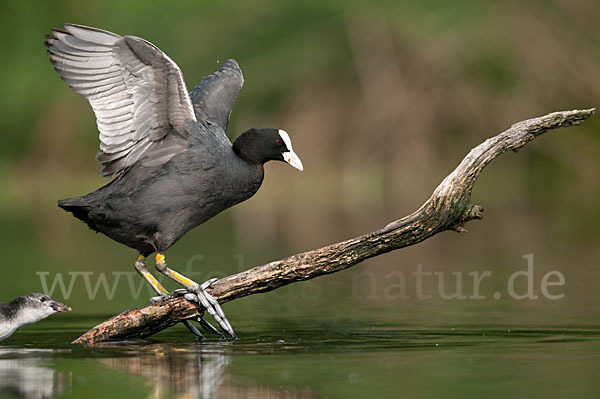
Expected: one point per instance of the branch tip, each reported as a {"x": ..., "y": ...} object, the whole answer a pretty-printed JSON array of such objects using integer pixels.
[{"x": 474, "y": 212}]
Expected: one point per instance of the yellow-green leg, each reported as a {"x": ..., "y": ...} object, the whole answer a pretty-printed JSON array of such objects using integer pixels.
[
  {"x": 141, "y": 268},
  {"x": 198, "y": 290}
]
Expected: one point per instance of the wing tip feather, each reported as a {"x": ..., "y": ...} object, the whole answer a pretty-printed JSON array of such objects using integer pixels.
[{"x": 88, "y": 28}]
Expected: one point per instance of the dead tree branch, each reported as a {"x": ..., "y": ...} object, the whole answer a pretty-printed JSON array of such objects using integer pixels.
[{"x": 448, "y": 208}]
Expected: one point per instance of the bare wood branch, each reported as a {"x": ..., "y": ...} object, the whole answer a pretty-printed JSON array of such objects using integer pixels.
[{"x": 448, "y": 208}]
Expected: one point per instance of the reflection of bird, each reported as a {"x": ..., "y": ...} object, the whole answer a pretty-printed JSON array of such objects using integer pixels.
[
  {"x": 27, "y": 309},
  {"x": 27, "y": 377},
  {"x": 176, "y": 167},
  {"x": 184, "y": 371}
]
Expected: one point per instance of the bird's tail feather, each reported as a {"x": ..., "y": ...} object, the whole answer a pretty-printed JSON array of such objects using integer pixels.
[{"x": 77, "y": 206}]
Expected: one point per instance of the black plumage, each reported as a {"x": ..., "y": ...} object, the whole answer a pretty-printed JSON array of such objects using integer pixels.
[
  {"x": 175, "y": 167},
  {"x": 150, "y": 207}
]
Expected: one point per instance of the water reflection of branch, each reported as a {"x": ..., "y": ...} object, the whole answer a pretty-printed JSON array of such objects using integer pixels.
[
  {"x": 186, "y": 371},
  {"x": 172, "y": 370}
]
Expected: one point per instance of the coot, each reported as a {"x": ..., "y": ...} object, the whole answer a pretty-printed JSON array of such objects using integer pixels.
[
  {"x": 27, "y": 309},
  {"x": 173, "y": 165}
]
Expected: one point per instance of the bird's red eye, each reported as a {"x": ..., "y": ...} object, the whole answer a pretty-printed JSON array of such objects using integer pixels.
[{"x": 278, "y": 142}]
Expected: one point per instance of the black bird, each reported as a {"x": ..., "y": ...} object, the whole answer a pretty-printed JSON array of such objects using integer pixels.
[
  {"x": 27, "y": 309},
  {"x": 175, "y": 167}
]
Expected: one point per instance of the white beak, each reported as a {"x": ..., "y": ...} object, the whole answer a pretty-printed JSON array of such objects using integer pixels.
[
  {"x": 290, "y": 156},
  {"x": 293, "y": 159}
]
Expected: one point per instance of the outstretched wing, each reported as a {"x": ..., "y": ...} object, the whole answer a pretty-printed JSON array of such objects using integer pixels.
[
  {"x": 136, "y": 91},
  {"x": 214, "y": 97}
]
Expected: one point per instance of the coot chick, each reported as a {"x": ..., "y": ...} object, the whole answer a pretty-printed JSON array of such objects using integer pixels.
[
  {"x": 174, "y": 164},
  {"x": 27, "y": 309}
]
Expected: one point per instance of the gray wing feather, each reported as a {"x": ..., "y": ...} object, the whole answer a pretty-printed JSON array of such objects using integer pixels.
[
  {"x": 215, "y": 96},
  {"x": 136, "y": 91}
]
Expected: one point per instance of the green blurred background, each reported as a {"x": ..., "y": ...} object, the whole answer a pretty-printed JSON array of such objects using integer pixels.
[{"x": 382, "y": 100}]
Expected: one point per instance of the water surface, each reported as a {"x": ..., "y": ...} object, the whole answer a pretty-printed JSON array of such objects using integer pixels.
[{"x": 306, "y": 359}]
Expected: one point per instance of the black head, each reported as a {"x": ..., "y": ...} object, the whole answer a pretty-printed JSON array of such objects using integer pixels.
[{"x": 258, "y": 146}]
